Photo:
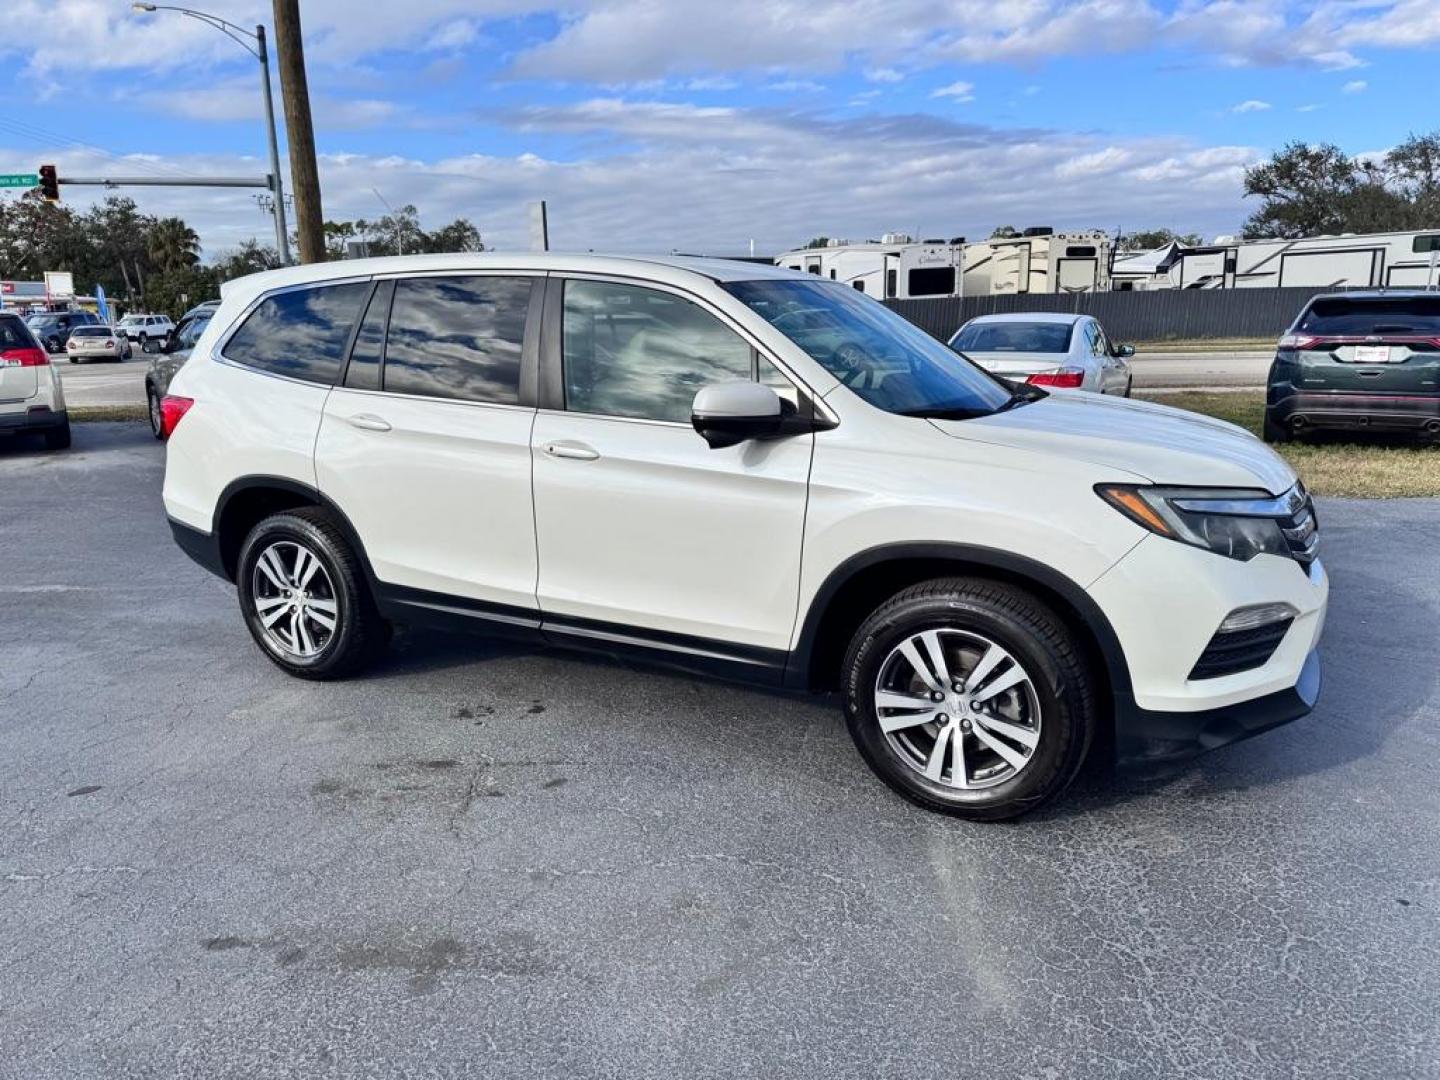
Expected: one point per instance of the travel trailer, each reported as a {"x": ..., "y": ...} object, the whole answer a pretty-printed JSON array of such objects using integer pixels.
[
  {"x": 899, "y": 267},
  {"x": 895, "y": 267},
  {"x": 1351, "y": 260}
]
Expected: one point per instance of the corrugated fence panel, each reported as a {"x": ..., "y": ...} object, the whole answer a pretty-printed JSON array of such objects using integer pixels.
[{"x": 1165, "y": 314}]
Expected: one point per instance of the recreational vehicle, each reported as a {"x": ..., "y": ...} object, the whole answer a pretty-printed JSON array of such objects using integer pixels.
[
  {"x": 1353, "y": 260},
  {"x": 898, "y": 267},
  {"x": 895, "y": 267}
]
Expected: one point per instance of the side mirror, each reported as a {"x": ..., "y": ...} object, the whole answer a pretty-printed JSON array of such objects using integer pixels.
[
  {"x": 729, "y": 413},
  {"x": 1124, "y": 351}
]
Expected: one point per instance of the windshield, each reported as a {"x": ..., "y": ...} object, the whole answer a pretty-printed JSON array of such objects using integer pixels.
[
  {"x": 891, "y": 363},
  {"x": 1028, "y": 337},
  {"x": 39, "y": 322},
  {"x": 1345, "y": 316},
  {"x": 132, "y": 320}
]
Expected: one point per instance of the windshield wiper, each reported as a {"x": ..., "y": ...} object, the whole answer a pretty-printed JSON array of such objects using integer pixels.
[{"x": 1023, "y": 394}]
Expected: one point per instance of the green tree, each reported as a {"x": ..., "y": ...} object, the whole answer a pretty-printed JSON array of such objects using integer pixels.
[
  {"x": 1150, "y": 239},
  {"x": 251, "y": 257},
  {"x": 1004, "y": 232},
  {"x": 1413, "y": 170},
  {"x": 173, "y": 245},
  {"x": 1312, "y": 190},
  {"x": 817, "y": 242}
]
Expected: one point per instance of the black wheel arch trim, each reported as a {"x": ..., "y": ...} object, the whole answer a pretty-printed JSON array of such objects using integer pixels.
[{"x": 1019, "y": 567}]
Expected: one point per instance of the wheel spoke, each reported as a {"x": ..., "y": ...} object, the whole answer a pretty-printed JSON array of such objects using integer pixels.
[
  {"x": 922, "y": 669},
  {"x": 320, "y": 619},
  {"x": 992, "y": 659},
  {"x": 1014, "y": 732},
  {"x": 302, "y": 559},
  {"x": 958, "y": 777},
  {"x": 1012, "y": 757},
  {"x": 274, "y": 615},
  {"x": 936, "y": 762},
  {"x": 936, "y": 653},
  {"x": 302, "y": 580},
  {"x": 266, "y": 604},
  {"x": 269, "y": 565},
  {"x": 320, "y": 603},
  {"x": 305, "y": 645},
  {"x": 1013, "y": 677}
]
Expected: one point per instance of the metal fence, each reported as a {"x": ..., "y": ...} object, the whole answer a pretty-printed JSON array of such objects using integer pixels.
[{"x": 1162, "y": 315}]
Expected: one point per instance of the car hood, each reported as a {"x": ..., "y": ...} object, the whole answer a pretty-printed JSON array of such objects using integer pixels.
[{"x": 1155, "y": 442}]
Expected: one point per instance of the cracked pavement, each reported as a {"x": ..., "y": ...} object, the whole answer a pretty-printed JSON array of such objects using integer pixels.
[{"x": 483, "y": 860}]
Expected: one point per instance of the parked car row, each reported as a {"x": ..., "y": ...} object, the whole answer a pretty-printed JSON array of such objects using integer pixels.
[{"x": 755, "y": 473}]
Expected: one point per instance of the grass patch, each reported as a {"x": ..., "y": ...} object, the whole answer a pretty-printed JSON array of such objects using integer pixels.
[
  {"x": 83, "y": 414},
  {"x": 1368, "y": 470}
]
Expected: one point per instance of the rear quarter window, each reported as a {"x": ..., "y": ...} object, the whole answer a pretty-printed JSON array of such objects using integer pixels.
[
  {"x": 301, "y": 333},
  {"x": 1349, "y": 316},
  {"x": 14, "y": 335}
]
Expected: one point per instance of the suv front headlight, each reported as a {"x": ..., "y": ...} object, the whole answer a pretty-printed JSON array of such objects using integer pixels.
[{"x": 1238, "y": 523}]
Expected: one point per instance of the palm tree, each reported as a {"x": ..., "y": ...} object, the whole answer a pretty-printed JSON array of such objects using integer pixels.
[{"x": 173, "y": 245}]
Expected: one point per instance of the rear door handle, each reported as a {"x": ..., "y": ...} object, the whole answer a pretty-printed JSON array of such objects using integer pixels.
[
  {"x": 369, "y": 422},
  {"x": 575, "y": 451}
]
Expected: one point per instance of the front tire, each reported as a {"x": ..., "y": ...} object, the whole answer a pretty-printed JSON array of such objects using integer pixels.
[
  {"x": 304, "y": 597},
  {"x": 969, "y": 697},
  {"x": 157, "y": 420}
]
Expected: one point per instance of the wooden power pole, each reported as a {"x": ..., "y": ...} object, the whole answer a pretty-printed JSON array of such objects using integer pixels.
[{"x": 295, "y": 90}]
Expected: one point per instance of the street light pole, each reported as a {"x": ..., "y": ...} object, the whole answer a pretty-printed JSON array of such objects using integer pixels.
[
  {"x": 258, "y": 50},
  {"x": 282, "y": 235}
]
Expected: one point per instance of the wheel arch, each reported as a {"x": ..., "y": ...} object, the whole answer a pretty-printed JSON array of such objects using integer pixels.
[
  {"x": 858, "y": 585},
  {"x": 248, "y": 500}
]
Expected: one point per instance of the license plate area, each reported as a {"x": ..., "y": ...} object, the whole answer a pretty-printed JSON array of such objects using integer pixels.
[{"x": 1373, "y": 354}]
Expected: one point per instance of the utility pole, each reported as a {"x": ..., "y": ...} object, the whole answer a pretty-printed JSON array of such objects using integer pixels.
[{"x": 295, "y": 90}]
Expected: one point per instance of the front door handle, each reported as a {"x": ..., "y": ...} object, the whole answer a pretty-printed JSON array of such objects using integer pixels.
[
  {"x": 575, "y": 451},
  {"x": 369, "y": 422}
]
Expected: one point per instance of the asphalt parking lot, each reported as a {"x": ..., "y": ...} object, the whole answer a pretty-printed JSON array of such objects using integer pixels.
[{"x": 488, "y": 861}]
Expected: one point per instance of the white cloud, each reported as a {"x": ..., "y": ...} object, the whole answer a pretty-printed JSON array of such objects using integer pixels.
[
  {"x": 957, "y": 91},
  {"x": 883, "y": 75},
  {"x": 1307, "y": 108},
  {"x": 1355, "y": 86},
  {"x": 795, "y": 86},
  {"x": 946, "y": 177},
  {"x": 1253, "y": 105}
]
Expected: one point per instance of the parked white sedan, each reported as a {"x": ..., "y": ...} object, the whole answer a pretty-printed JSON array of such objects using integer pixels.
[
  {"x": 97, "y": 343},
  {"x": 1047, "y": 349}
]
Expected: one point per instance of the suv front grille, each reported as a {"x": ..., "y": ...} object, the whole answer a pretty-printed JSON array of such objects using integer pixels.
[{"x": 1240, "y": 650}]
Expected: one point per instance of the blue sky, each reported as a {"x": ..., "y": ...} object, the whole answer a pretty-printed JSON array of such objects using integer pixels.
[{"x": 651, "y": 125}]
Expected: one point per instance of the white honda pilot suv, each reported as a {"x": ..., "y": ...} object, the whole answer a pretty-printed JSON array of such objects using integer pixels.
[{"x": 646, "y": 456}]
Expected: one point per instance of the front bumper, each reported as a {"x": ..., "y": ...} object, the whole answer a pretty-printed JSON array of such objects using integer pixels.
[
  {"x": 1165, "y": 601},
  {"x": 1143, "y": 736}
]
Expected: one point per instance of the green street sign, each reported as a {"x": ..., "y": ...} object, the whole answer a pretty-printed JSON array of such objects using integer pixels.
[{"x": 23, "y": 179}]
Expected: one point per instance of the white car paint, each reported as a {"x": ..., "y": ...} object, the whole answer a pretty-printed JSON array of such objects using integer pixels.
[
  {"x": 1090, "y": 350},
  {"x": 638, "y": 522}
]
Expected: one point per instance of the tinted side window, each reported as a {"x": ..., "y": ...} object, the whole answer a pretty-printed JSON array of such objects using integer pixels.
[
  {"x": 364, "y": 370},
  {"x": 301, "y": 333},
  {"x": 635, "y": 352},
  {"x": 457, "y": 337}
]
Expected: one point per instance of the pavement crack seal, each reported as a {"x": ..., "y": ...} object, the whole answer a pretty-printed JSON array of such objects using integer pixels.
[{"x": 479, "y": 784}]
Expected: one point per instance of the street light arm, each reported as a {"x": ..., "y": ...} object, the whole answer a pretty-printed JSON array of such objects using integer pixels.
[{"x": 229, "y": 29}]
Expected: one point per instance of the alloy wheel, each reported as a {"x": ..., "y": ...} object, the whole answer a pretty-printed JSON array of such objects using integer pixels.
[
  {"x": 294, "y": 600},
  {"x": 958, "y": 708}
]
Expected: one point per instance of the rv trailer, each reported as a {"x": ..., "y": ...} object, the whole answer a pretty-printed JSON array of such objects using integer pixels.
[
  {"x": 895, "y": 267},
  {"x": 1348, "y": 261},
  {"x": 1038, "y": 261}
]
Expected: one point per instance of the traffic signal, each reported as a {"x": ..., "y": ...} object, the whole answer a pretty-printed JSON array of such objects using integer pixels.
[{"x": 49, "y": 183}]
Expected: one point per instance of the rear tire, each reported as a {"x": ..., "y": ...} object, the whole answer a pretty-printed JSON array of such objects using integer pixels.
[
  {"x": 1276, "y": 433},
  {"x": 288, "y": 602},
  {"x": 58, "y": 438},
  {"x": 1043, "y": 716}
]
